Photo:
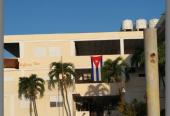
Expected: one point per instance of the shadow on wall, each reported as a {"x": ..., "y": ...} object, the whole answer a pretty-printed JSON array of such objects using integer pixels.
[{"x": 99, "y": 89}]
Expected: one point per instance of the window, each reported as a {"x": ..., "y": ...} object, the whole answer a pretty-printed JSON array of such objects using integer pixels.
[
  {"x": 39, "y": 52},
  {"x": 54, "y": 51},
  {"x": 56, "y": 104},
  {"x": 13, "y": 49},
  {"x": 53, "y": 104},
  {"x": 56, "y": 101},
  {"x": 98, "y": 47},
  {"x": 141, "y": 75},
  {"x": 131, "y": 44},
  {"x": 84, "y": 75},
  {"x": 11, "y": 63}
]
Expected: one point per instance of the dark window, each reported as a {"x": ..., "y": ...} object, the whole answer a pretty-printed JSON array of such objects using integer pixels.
[
  {"x": 131, "y": 44},
  {"x": 83, "y": 75},
  {"x": 98, "y": 47},
  {"x": 56, "y": 104},
  {"x": 11, "y": 63},
  {"x": 59, "y": 104},
  {"x": 141, "y": 75},
  {"x": 53, "y": 104},
  {"x": 12, "y": 48}
]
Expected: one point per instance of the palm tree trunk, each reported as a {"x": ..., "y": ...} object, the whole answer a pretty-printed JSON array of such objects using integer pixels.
[
  {"x": 62, "y": 93},
  {"x": 58, "y": 100},
  {"x": 67, "y": 100},
  {"x": 30, "y": 107},
  {"x": 35, "y": 107}
]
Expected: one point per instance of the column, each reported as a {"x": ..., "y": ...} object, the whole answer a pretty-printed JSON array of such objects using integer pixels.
[
  {"x": 151, "y": 70},
  {"x": 122, "y": 46}
]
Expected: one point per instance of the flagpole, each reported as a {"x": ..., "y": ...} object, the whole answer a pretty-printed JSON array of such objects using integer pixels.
[{"x": 62, "y": 80}]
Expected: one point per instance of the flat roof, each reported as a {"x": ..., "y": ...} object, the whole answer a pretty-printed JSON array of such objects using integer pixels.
[{"x": 73, "y": 36}]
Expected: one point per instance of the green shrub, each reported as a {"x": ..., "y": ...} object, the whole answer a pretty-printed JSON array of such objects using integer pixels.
[{"x": 134, "y": 108}]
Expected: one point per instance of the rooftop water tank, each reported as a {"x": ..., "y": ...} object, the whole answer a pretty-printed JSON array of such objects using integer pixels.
[
  {"x": 141, "y": 24},
  {"x": 127, "y": 25},
  {"x": 153, "y": 23}
]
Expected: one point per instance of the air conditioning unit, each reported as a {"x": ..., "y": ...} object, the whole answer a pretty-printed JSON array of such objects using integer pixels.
[
  {"x": 141, "y": 24},
  {"x": 153, "y": 23},
  {"x": 127, "y": 25}
]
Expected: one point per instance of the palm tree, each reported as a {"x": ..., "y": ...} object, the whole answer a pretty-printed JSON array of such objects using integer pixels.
[
  {"x": 30, "y": 88},
  {"x": 138, "y": 59},
  {"x": 112, "y": 70},
  {"x": 62, "y": 74}
]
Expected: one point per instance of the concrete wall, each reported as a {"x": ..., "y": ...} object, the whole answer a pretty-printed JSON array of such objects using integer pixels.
[{"x": 135, "y": 88}]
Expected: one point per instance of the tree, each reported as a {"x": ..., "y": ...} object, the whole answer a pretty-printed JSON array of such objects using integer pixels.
[
  {"x": 30, "y": 88},
  {"x": 138, "y": 59},
  {"x": 112, "y": 70},
  {"x": 62, "y": 74},
  {"x": 135, "y": 108}
]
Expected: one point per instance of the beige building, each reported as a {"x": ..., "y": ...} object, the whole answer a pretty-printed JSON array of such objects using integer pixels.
[{"x": 34, "y": 53}]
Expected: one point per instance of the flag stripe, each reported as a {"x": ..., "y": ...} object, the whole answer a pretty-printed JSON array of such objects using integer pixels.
[
  {"x": 97, "y": 74},
  {"x": 100, "y": 74},
  {"x": 92, "y": 73}
]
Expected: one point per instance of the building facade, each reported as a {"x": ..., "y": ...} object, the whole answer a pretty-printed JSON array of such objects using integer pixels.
[{"x": 34, "y": 53}]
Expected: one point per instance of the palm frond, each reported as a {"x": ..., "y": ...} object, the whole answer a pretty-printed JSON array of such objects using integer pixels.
[
  {"x": 57, "y": 68},
  {"x": 138, "y": 58},
  {"x": 30, "y": 86},
  {"x": 113, "y": 69}
]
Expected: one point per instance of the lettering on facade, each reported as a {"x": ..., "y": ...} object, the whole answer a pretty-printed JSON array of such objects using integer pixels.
[{"x": 29, "y": 64}]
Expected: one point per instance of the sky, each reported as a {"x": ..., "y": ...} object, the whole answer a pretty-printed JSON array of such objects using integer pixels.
[{"x": 75, "y": 16}]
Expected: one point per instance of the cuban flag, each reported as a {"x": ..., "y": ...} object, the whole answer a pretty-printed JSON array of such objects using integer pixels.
[{"x": 96, "y": 63}]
